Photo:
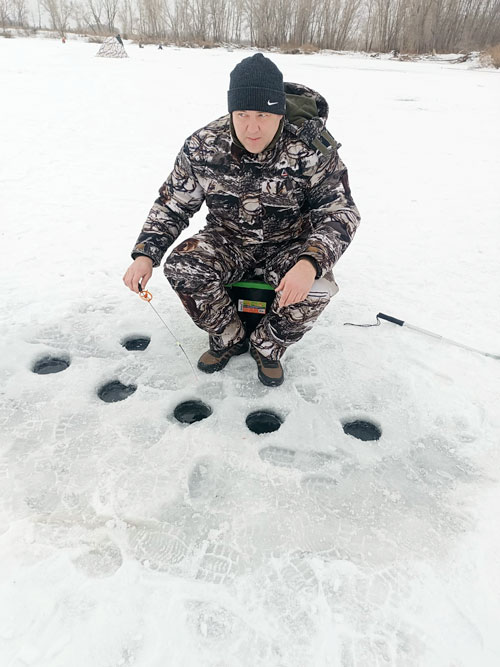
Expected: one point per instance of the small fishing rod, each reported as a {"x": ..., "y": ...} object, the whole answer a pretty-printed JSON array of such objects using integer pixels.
[
  {"x": 147, "y": 296},
  {"x": 402, "y": 323}
]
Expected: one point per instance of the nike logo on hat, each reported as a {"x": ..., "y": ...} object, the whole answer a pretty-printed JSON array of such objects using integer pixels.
[{"x": 271, "y": 103}]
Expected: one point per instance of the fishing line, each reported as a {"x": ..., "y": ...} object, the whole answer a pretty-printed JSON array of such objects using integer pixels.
[{"x": 147, "y": 296}]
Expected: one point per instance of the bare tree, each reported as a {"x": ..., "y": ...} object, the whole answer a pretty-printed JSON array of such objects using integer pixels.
[
  {"x": 91, "y": 13},
  {"x": 257, "y": 14},
  {"x": 60, "y": 12},
  {"x": 219, "y": 19},
  {"x": 384, "y": 25},
  {"x": 110, "y": 11},
  {"x": 339, "y": 20},
  {"x": 126, "y": 16},
  {"x": 5, "y": 13},
  {"x": 20, "y": 12},
  {"x": 151, "y": 19},
  {"x": 423, "y": 26},
  {"x": 301, "y": 30},
  {"x": 236, "y": 21}
]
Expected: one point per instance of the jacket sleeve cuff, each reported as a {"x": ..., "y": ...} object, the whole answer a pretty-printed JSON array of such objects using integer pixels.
[
  {"x": 148, "y": 250},
  {"x": 314, "y": 261}
]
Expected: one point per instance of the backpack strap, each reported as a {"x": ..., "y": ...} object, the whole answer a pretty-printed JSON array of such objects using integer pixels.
[{"x": 325, "y": 143}]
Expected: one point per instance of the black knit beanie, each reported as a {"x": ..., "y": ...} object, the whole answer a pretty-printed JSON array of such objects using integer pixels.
[{"x": 256, "y": 84}]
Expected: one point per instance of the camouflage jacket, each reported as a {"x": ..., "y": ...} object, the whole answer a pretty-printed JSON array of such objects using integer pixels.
[{"x": 295, "y": 189}]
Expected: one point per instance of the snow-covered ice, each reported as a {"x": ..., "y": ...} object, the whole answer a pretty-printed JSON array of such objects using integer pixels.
[{"x": 127, "y": 538}]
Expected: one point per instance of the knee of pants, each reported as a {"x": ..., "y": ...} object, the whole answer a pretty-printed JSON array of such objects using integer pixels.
[
  {"x": 307, "y": 310},
  {"x": 188, "y": 270}
]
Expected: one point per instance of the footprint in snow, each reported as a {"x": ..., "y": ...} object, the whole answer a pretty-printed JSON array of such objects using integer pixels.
[
  {"x": 157, "y": 546},
  {"x": 220, "y": 564},
  {"x": 338, "y": 462},
  {"x": 99, "y": 560}
]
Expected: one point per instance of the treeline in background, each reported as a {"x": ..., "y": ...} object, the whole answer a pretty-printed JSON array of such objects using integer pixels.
[{"x": 404, "y": 26}]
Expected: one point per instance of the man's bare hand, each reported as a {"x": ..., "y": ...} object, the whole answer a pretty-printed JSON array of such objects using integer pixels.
[
  {"x": 296, "y": 283},
  {"x": 140, "y": 271}
]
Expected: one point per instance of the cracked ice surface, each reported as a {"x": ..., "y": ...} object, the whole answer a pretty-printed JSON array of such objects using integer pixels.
[{"x": 127, "y": 538}]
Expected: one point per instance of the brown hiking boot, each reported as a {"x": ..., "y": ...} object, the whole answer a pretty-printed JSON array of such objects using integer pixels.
[
  {"x": 270, "y": 372},
  {"x": 215, "y": 360}
]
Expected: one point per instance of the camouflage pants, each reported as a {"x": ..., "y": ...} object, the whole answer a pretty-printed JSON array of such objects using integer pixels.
[{"x": 199, "y": 268}]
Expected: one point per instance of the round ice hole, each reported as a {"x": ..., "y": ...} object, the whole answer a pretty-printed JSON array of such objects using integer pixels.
[
  {"x": 190, "y": 412},
  {"x": 362, "y": 430},
  {"x": 50, "y": 365},
  {"x": 136, "y": 343},
  {"x": 115, "y": 391},
  {"x": 263, "y": 421}
]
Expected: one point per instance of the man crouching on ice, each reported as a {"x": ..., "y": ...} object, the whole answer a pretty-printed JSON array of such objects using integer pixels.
[{"x": 279, "y": 202}]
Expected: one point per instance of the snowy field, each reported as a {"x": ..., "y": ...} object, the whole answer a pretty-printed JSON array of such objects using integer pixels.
[{"x": 127, "y": 538}]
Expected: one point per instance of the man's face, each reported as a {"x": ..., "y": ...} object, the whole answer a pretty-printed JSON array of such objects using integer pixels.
[{"x": 255, "y": 129}]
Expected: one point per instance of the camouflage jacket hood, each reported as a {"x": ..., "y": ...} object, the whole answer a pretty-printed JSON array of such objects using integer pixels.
[
  {"x": 306, "y": 112},
  {"x": 295, "y": 189}
]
